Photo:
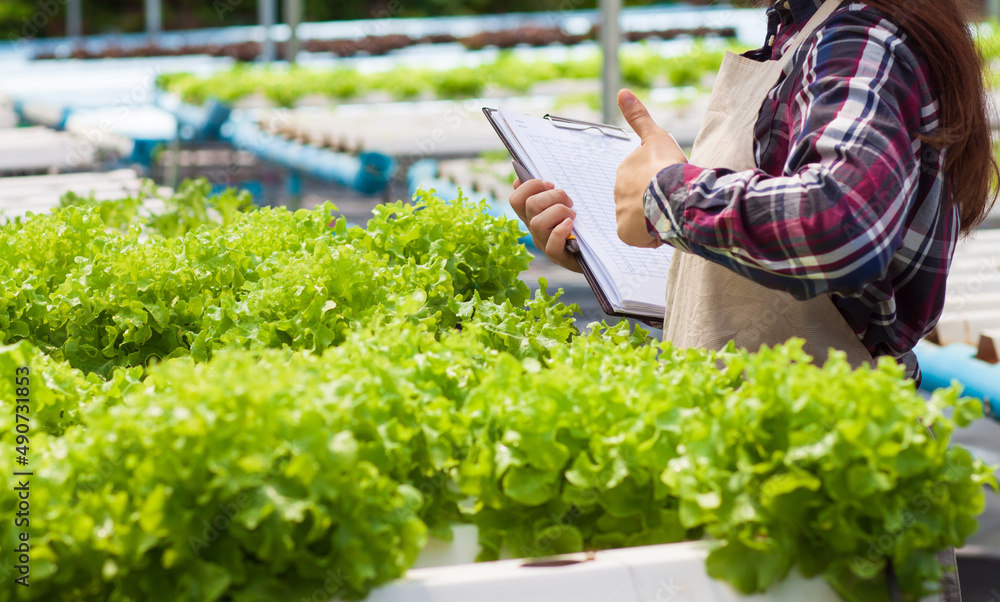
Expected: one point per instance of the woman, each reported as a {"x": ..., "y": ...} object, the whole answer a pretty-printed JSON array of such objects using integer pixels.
[{"x": 833, "y": 173}]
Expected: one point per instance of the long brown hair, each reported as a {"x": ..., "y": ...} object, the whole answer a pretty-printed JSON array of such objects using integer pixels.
[{"x": 940, "y": 30}]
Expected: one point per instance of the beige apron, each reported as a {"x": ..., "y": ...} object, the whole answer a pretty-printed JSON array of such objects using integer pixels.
[{"x": 708, "y": 305}]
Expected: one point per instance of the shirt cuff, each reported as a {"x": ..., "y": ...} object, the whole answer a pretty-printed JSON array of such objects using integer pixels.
[{"x": 663, "y": 204}]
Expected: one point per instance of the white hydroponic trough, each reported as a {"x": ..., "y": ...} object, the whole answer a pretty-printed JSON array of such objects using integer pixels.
[
  {"x": 39, "y": 194},
  {"x": 446, "y": 572}
]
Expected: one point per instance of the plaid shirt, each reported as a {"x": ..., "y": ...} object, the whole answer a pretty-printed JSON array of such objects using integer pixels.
[{"x": 846, "y": 200}]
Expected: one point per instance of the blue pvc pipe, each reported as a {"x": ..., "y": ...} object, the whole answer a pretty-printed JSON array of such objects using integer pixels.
[
  {"x": 58, "y": 124},
  {"x": 368, "y": 173},
  {"x": 293, "y": 184},
  {"x": 205, "y": 123},
  {"x": 422, "y": 175},
  {"x": 142, "y": 151},
  {"x": 372, "y": 173},
  {"x": 216, "y": 114},
  {"x": 957, "y": 362},
  {"x": 420, "y": 172},
  {"x": 63, "y": 118}
]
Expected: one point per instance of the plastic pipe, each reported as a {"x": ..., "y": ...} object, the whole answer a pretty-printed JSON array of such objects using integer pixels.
[
  {"x": 421, "y": 172},
  {"x": 142, "y": 152},
  {"x": 34, "y": 113},
  {"x": 368, "y": 173},
  {"x": 941, "y": 365},
  {"x": 203, "y": 123},
  {"x": 293, "y": 188}
]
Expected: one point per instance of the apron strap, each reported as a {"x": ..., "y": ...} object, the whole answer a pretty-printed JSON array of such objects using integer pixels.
[{"x": 815, "y": 21}]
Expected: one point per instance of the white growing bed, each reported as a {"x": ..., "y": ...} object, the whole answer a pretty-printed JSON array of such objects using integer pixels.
[
  {"x": 41, "y": 148},
  {"x": 446, "y": 572},
  {"x": 39, "y": 194}
]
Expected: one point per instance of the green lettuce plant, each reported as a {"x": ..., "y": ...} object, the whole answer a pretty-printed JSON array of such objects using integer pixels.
[{"x": 257, "y": 405}]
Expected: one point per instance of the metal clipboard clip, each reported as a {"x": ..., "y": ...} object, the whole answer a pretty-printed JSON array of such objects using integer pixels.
[{"x": 575, "y": 124}]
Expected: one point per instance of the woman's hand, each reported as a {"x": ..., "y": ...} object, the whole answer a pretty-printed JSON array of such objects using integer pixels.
[
  {"x": 548, "y": 213},
  {"x": 658, "y": 150}
]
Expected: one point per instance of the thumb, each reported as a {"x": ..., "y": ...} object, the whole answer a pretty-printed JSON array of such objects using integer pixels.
[{"x": 636, "y": 114}]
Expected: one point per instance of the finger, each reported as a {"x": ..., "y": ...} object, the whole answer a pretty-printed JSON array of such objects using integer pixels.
[
  {"x": 542, "y": 224},
  {"x": 525, "y": 191},
  {"x": 517, "y": 183},
  {"x": 538, "y": 203},
  {"x": 555, "y": 247},
  {"x": 636, "y": 114}
]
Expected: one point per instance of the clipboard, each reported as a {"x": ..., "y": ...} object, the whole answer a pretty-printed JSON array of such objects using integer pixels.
[{"x": 572, "y": 245}]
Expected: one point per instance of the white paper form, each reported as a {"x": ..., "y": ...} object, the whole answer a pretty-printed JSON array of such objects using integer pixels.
[{"x": 584, "y": 164}]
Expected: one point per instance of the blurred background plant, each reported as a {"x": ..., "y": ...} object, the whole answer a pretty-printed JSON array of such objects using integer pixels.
[{"x": 110, "y": 16}]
